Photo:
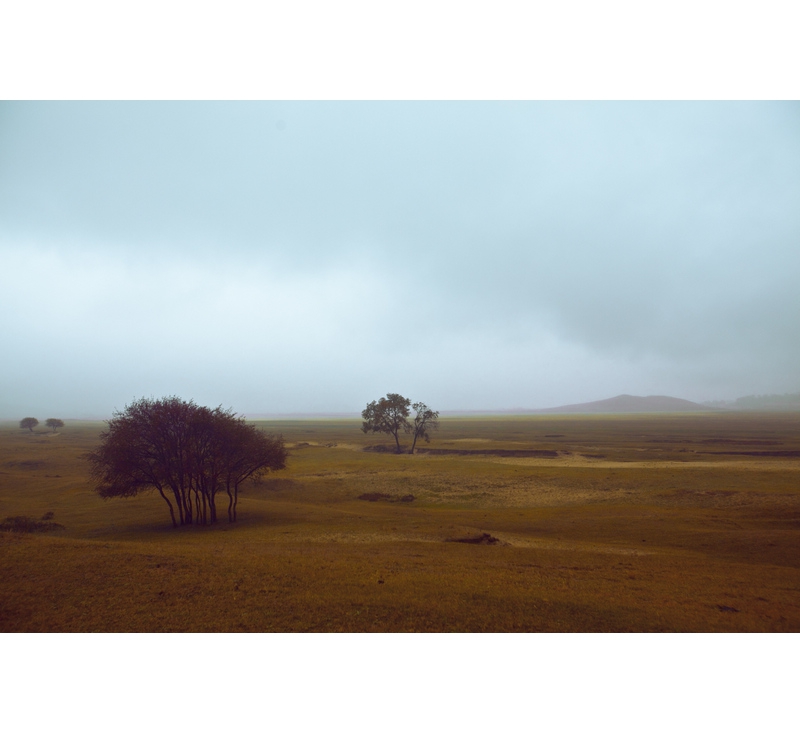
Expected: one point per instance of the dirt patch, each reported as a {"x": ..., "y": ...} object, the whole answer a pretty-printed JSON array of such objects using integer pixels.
[
  {"x": 377, "y": 496},
  {"x": 716, "y": 441},
  {"x": 27, "y": 465},
  {"x": 273, "y": 484},
  {"x": 482, "y": 539},
  {"x": 736, "y": 441},
  {"x": 503, "y": 453},
  {"x": 763, "y": 453},
  {"x": 692, "y": 492}
]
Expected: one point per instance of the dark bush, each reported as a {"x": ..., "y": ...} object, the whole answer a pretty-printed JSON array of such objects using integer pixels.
[
  {"x": 187, "y": 453},
  {"x": 377, "y": 496},
  {"x": 29, "y": 524}
]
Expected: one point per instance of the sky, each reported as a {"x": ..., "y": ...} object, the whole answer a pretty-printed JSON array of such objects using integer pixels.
[{"x": 309, "y": 257}]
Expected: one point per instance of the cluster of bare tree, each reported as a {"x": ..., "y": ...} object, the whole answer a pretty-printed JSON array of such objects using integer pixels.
[
  {"x": 390, "y": 415},
  {"x": 189, "y": 454},
  {"x": 29, "y": 423}
]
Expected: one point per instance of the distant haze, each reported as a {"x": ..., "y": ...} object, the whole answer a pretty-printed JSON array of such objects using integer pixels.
[
  {"x": 626, "y": 403},
  {"x": 310, "y": 257}
]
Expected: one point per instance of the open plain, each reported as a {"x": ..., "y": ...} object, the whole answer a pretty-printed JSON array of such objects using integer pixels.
[{"x": 685, "y": 522}]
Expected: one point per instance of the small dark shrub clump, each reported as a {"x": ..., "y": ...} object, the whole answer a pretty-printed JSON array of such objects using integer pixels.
[
  {"x": 29, "y": 524},
  {"x": 377, "y": 496},
  {"x": 380, "y": 448}
]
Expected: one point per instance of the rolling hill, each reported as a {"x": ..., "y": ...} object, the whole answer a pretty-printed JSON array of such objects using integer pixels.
[{"x": 626, "y": 403}]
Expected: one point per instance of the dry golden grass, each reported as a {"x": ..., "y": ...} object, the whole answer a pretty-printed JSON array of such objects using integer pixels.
[{"x": 639, "y": 523}]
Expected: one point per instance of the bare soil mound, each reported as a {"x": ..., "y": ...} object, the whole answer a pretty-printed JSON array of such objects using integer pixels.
[
  {"x": 505, "y": 453},
  {"x": 377, "y": 496},
  {"x": 28, "y": 465},
  {"x": 762, "y": 453},
  {"x": 481, "y": 539}
]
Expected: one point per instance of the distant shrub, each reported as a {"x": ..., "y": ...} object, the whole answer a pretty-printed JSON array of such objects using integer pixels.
[
  {"x": 28, "y": 423},
  {"x": 29, "y": 524}
]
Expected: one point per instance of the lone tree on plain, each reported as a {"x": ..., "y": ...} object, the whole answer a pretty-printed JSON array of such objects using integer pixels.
[
  {"x": 54, "y": 423},
  {"x": 188, "y": 453},
  {"x": 425, "y": 420},
  {"x": 28, "y": 423},
  {"x": 388, "y": 415}
]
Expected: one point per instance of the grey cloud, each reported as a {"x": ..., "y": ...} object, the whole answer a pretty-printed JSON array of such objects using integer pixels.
[{"x": 607, "y": 246}]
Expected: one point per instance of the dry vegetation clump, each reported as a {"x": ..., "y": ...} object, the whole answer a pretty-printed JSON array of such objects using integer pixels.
[
  {"x": 380, "y": 448},
  {"x": 29, "y": 524},
  {"x": 378, "y": 496},
  {"x": 655, "y": 536}
]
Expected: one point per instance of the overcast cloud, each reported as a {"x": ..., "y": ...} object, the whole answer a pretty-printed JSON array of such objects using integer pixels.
[{"x": 310, "y": 257}]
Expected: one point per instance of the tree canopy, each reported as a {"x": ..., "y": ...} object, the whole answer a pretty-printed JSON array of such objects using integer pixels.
[
  {"x": 187, "y": 453},
  {"x": 28, "y": 423},
  {"x": 54, "y": 423},
  {"x": 425, "y": 420},
  {"x": 390, "y": 415}
]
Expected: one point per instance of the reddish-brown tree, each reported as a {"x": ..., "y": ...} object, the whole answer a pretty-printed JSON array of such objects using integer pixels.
[{"x": 185, "y": 452}]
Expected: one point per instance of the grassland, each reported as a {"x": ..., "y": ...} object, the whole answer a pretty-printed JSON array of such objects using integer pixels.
[{"x": 623, "y": 523}]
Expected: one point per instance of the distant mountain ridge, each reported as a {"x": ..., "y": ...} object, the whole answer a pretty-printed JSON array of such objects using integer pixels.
[{"x": 625, "y": 403}]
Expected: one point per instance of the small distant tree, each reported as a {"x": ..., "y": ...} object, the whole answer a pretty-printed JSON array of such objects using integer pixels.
[
  {"x": 388, "y": 415},
  {"x": 28, "y": 423},
  {"x": 54, "y": 423},
  {"x": 425, "y": 420}
]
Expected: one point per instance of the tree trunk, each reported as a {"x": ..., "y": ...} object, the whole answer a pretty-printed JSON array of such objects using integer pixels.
[
  {"x": 187, "y": 508},
  {"x": 179, "y": 504},
  {"x": 169, "y": 504}
]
